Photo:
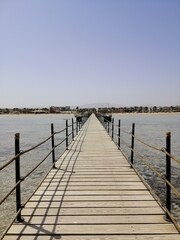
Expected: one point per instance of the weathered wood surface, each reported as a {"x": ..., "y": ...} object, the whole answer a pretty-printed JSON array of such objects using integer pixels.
[{"x": 93, "y": 195}]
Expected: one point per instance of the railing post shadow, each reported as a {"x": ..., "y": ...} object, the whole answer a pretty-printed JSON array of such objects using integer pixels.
[
  {"x": 76, "y": 126},
  {"x": 108, "y": 127},
  {"x": 119, "y": 133},
  {"x": 52, "y": 142},
  {"x": 168, "y": 173},
  {"x": 112, "y": 128},
  {"x": 132, "y": 143},
  {"x": 18, "y": 177},
  {"x": 79, "y": 126},
  {"x": 66, "y": 134},
  {"x": 72, "y": 129}
]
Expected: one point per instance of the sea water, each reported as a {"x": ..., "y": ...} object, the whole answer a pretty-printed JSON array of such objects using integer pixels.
[
  {"x": 151, "y": 128},
  {"x": 33, "y": 129}
]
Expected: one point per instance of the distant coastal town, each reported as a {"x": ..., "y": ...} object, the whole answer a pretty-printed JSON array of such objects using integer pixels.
[{"x": 68, "y": 109}]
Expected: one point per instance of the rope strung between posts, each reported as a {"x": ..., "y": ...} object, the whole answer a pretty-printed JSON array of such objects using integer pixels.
[
  {"x": 9, "y": 193},
  {"x": 157, "y": 173},
  {"x": 146, "y": 144},
  {"x": 38, "y": 165},
  {"x": 156, "y": 148},
  {"x": 125, "y": 143},
  {"x": 60, "y": 131},
  {"x": 153, "y": 169},
  {"x": 170, "y": 155},
  {"x": 59, "y": 143},
  {"x": 30, "y": 149},
  {"x": 151, "y": 146},
  {"x": 10, "y": 161},
  {"x": 122, "y": 129},
  {"x": 24, "y": 177},
  {"x": 23, "y": 152},
  {"x": 36, "y": 146}
]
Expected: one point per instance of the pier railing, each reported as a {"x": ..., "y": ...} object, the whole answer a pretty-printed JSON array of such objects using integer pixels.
[
  {"x": 67, "y": 136},
  {"x": 117, "y": 133}
]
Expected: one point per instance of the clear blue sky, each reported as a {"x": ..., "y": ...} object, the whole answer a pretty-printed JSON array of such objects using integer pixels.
[{"x": 75, "y": 52}]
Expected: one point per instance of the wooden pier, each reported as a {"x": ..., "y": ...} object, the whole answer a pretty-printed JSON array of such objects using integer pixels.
[{"x": 93, "y": 194}]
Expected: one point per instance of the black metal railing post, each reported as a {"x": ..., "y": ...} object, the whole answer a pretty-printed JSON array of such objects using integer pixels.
[
  {"x": 72, "y": 129},
  {"x": 79, "y": 126},
  {"x": 66, "y": 134},
  {"x": 76, "y": 126},
  {"x": 132, "y": 143},
  {"x": 52, "y": 143},
  {"x": 18, "y": 177},
  {"x": 119, "y": 133},
  {"x": 112, "y": 128},
  {"x": 168, "y": 172},
  {"x": 108, "y": 127}
]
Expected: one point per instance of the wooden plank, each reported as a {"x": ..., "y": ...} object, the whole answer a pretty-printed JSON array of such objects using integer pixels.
[
  {"x": 100, "y": 204},
  {"x": 109, "y": 183},
  {"x": 90, "y": 176},
  {"x": 92, "y": 188},
  {"x": 93, "y": 229},
  {"x": 95, "y": 171},
  {"x": 101, "y": 219},
  {"x": 98, "y": 174},
  {"x": 96, "y": 179},
  {"x": 91, "y": 192},
  {"x": 91, "y": 211},
  {"x": 94, "y": 237},
  {"x": 95, "y": 198}
]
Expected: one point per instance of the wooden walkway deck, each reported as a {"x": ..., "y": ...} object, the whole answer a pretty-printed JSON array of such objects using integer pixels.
[{"x": 93, "y": 195}]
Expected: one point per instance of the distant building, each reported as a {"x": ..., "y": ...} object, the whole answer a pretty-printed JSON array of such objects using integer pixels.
[
  {"x": 66, "y": 108},
  {"x": 39, "y": 111},
  {"x": 53, "y": 109}
]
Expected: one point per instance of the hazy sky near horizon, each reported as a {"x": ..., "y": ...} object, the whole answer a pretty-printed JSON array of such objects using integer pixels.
[{"x": 75, "y": 52}]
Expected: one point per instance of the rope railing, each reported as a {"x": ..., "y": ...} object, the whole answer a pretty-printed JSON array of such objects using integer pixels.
[
  {"x": 9, "y": 161},
  {"x": 125, "y": 143},
  {"x": 154, "y": 170},
  {"x": 24, "y": 177},
  {"x": 18, "y": 153},
  {"x": 109, "y": 125},
  {"x": 146, "y": 144},
  {"x": 55, "y": 133},
  {"x": 163, "y": 149},
  {"x": 59, "y": 143},
  {"x": 170, "y": 155},
  {"x": 9, "y": 193},
  {"x": 160, "y": 149},
  {"x": 36, "y": 146},
  {"x": 23, "y": 152}
]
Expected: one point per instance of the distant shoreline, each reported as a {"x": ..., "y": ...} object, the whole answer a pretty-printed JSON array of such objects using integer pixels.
[
  {"x": 16, "y": 114},
  {"x": 68, "y": 113},
  {"x": 153, "y": 113}
]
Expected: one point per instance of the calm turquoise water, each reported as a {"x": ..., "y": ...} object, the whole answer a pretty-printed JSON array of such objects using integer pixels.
[{"x": 33, "y": 129}]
